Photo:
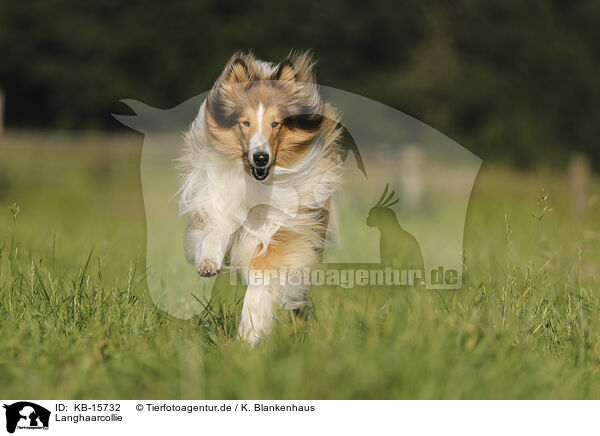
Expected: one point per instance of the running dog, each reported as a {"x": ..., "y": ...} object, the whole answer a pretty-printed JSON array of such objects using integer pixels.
[{"x": 264, "y": 139}]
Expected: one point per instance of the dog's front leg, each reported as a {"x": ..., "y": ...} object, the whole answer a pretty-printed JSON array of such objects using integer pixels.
[
  {"x": 268, "y": 289},
  {"x": 258, "y": 312},
  {"x": 212, "y": 252},
  {"x": 205, "y": 248}
]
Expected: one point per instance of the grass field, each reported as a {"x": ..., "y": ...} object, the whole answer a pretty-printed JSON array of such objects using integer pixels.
[{"x": 76, "y": 320}]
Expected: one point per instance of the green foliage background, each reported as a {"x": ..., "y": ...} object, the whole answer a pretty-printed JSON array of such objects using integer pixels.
[{"x": 506, "y": 79}]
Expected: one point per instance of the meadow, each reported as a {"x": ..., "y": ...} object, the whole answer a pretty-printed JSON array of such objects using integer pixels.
[{"x": 76, "y": 320}]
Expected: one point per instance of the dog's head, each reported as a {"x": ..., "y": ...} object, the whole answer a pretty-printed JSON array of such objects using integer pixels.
[{"x": 265, "y": 114}]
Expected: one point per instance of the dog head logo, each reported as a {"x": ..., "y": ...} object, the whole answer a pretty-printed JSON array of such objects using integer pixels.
[
  {"x": 26, "y": 415},
  {"x": 430, "y": 175}
]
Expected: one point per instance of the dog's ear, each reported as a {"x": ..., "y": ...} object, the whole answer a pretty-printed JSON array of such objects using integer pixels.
[
  {"x": 238, "y": 70},
  {"x": 285, "y": 71},
  {"x": 295, "y": 68},
  {"x": 221, "y": 104}
]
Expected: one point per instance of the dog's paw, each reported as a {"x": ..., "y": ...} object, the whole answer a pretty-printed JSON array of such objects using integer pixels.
[
  {"x": 247, "y": 335},
  {"x": 207, "y": 268}
]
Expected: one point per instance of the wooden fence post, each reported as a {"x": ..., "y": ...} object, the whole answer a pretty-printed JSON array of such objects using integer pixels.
[{"x": 579, "y": 177}]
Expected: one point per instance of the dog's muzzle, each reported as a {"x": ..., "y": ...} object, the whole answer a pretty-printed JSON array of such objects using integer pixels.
[
  {"x": 259, "y": 157},
  {"x": 259, "y": 164},
  {"x": 260, "y": 174}
]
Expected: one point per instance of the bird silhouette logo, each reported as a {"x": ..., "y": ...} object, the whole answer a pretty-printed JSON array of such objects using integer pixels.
[{"x": 397, "y": 247}]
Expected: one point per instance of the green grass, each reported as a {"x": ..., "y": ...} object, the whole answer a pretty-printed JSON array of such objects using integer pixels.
[{"x": 76, "y": 320}]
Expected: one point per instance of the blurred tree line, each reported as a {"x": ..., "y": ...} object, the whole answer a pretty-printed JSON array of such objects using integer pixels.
[{"x": 507, "y": 79}]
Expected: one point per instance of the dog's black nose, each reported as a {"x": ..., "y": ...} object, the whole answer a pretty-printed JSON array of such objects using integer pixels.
[{"x": 261, "y": 159}]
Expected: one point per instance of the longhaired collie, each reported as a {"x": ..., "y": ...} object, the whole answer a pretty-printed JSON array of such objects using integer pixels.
[{"x": 263, "y": 131}]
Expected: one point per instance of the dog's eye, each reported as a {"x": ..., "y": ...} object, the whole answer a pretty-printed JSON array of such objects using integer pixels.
[
  {"x": 246, "y": 123},
  {"x": 274, "y": 124}
]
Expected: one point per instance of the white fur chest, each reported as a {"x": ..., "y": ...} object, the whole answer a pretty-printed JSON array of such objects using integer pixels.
[{"x": 234, "y": 199}]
